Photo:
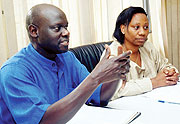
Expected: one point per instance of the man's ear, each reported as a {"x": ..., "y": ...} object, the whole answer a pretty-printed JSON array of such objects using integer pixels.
[
  {"x": 33, "y": 31},
  {"x": 122, "y": 28}
]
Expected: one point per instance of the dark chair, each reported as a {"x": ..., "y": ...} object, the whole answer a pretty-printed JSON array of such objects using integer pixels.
[{"x": 89, "y": 55}]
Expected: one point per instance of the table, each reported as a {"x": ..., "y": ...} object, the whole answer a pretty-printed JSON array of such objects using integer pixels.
[{"x": 152, "y": 111}]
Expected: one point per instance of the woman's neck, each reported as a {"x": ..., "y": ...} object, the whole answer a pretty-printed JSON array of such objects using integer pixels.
[
  {"x": 135, "y": 56},
  {"x": 133, "y": 48}
]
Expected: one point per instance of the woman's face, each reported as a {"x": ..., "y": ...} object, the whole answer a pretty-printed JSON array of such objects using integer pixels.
[{"x": 137, "y": 31}]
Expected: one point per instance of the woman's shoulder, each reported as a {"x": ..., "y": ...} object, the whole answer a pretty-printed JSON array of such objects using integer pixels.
[{"x": 148, "y": 44}]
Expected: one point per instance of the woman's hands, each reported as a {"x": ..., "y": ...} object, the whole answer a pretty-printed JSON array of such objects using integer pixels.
[{"x": 166, "y": 77}]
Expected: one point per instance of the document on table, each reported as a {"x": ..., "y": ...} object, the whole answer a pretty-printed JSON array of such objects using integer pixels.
[
  {"x": 169, "y": 94},
  {"x": 100, "y": 115}
]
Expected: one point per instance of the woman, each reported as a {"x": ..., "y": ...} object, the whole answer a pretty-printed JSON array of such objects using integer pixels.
[{"x": 149, "y": 69}]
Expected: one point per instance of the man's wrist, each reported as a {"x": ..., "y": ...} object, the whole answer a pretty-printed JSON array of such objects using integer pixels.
[{"x": 94, "y": 79}]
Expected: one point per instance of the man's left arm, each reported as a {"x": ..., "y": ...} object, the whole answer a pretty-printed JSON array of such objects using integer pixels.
[
  {"x": 107, "y": 92},
  {"x": 109, "y": 89}
]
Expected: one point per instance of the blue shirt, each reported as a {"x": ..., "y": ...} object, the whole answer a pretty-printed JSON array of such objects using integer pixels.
[{"x": 30, "y": 83}]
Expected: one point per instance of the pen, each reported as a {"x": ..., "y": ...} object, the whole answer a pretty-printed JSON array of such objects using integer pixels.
[
  {"x": 162, "y": 101},
  {"x": 134, "y": 117}
]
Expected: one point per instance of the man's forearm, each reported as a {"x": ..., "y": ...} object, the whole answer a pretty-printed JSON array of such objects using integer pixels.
[
  {"x": 63, "y": 110},
  {"x": 107, "y": 91}
]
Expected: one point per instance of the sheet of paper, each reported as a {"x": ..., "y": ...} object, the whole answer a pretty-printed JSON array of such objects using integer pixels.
[
  {"x": 152, "y": 112},
  {"x": 168, "y": 93},
  {"x": 98, "y": 115}
]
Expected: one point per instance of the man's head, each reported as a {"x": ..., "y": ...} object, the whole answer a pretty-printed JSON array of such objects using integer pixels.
[{"x": 47, "y": 29}]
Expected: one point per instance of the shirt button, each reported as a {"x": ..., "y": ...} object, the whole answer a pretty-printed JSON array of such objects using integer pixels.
[{"x": 53, "y": 65}]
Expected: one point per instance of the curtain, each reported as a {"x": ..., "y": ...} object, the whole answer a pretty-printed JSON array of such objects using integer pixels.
[
  {"x": 3, "y": 50},
  {"x": 158, "y": 24},
  {"x": 173, "y": 31},
  {"x": 8, "y": 37},
  {"x": 90, "y": 21}
]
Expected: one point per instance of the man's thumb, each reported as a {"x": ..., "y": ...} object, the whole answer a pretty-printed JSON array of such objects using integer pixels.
[
  {"x": 108, "y": 51},
  {"x": 120, "y": 50}
]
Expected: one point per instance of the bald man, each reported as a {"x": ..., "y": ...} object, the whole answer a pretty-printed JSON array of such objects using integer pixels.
[{"x": 45, "y": 83}]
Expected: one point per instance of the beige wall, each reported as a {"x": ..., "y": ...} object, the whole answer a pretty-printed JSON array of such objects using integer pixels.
[
  {"x": 3, "y": 49},
  {"x": 173, "y": 30},
  {"x": 8, "y": 38}
]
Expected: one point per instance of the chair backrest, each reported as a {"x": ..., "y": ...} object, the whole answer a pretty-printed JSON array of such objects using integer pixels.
[{"x": 89, "y": 55}]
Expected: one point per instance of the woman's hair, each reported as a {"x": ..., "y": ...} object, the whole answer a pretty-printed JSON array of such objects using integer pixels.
[{"x": 124, "y": 18}]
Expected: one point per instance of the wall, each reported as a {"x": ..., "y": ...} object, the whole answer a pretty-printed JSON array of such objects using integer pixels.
[{"x": 8, "y": 39}]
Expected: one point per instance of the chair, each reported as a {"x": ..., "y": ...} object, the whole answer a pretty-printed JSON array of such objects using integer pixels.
[{"x": 89, "y": 55}]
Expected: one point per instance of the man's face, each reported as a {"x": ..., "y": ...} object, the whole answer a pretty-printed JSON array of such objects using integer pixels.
[
  {"x": 53, "y": 34},
  {"x": 138, "y": 29}
]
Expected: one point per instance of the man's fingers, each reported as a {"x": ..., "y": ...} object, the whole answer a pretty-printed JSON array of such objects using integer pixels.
[
  {"x": 124, "y": 63},
  {"x": 107, "y": 52},
  {"x": 124, "y": 55},
  {"x": 120, "y": 50}
]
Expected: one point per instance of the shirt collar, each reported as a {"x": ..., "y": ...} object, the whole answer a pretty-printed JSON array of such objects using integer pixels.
[{"x": 41, "y": 59}]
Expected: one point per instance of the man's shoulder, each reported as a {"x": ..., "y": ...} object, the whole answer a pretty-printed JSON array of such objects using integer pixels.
[{"x": 17, "y": 59}]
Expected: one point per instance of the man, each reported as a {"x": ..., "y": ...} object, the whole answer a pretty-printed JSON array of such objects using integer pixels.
[{"x": 45, "y": 83}]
